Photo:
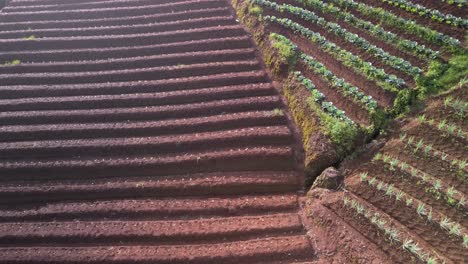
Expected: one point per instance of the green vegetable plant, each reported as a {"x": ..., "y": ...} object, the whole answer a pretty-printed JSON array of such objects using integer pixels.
[
  {"x": 428, "y": 150},
  {"x": 340, "y": 84},
  {"x": 456, "y": 104},
  {"x": 392, "y": 233},
  {"x": 423, "y": 11},
  {"x": 393, "y": 61},
  {"x": 32, "y": 37},
  {"x": 458, "y": 3},
  {"x": 450, "y": 194},
  {"x": 373, "y": 29},
  {"x": 12, "y": 63},
  {"x": 387, "y": 18},
  {"x": 422, "y": 209},
  {"x": 448, "y": 129}
]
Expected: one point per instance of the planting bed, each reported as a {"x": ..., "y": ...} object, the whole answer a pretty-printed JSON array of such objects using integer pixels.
[
  {"x": 419, "y": 179},
  {"x": 360, "y": 65},
  {"x": 186, "y": 131},
  {"x": 352, "y": 64},
  {"x": 138, "y": 131}
]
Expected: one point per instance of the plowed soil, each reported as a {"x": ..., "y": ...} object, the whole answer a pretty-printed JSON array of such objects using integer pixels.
[{"x": 142, "y": 132}]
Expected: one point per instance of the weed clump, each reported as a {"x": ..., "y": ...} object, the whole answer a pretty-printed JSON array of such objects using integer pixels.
[
  {"x": 277, "y": 112},
  {"x": 341, "y": 133},
  {"x": 32, "y": 37},
  {"x": 13, "y": 62},
  {"x": 442, "y": 76}
]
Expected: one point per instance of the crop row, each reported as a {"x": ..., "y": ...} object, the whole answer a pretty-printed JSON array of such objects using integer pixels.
[
  {"x": 459, "y": 3},
  {"x": 375, "y": 30},
  {"x": 354, "y": 39},
  {"x": 392, "y": 233},
  {"x": 289, "y": 51},
  {"x": 428, "y": 150},
  {"x": 435, "y": 15},
  {"x": 319, "y": 98},
  {"x": 409, "y": 26},
  {"x": 450, "y": 194},
  {"x": 458, "y": 105},
  {"x": 344, "y": 87},
  {"x": 450, "y": 129},
  {"x": 422, "y": 209},
  {"x": 391, "y": 83}
]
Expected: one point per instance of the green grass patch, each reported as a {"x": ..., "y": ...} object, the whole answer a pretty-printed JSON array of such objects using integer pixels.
[
  {"x": 443, "y": 76},
  {"x": 341, "y": 133},
  {"x": 255, "y": 9},
  {"x": 286, "y": 49}
]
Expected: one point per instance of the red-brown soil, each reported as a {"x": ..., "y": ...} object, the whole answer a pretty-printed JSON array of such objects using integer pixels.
[
  {"x": 149, "y": 131},
  {"x": 328, "y": 215},
  {"x": 455, "y": 32},
  {"x": 362, "y": 229},
  {"x": 404, "y": 182},
  {"x": 445, "y": 8},
  {"x": 363, "y": 33},
  {"x": 429, "y": 232},
  {"x": 142, "y": 132},
  {"x": 355, "y": 111},
  {"x": 399, "y": 32},
  {"x": 341, "y": 42}
]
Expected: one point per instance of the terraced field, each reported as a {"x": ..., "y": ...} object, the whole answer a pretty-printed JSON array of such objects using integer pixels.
[
  {"x": 352, "y": 63},
  {"x": 185, "y": 131},
  {"x": 413, "y": 191},
  {"x": 142, "y": 131},
  {"x": 352, "y": 70}
]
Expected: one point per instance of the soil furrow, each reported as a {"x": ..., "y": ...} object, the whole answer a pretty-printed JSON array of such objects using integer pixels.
[
  {"x": 152, "y": 209},
  {"x": 148, "y": 232},
  {"x": 434, "y": 138},
  {"x": 351, "y": 108},
  {"x": 58, "y": 5},
  {"x": 257, "y": 158},
  {"x": 140, "y": 86},
  {"x": 154, "y": 73},
  {"x": 364, "y": 34},
  {"x": 132, "y": 100},
  {"x": 122, "y": 29},
  {"x": 250, "y": 251},
  {"x": 418, "y": 189},
  {"x": 242, "y": 137},
  {"x": 178, "y": 59},
  {"x": 370, "y": 232},
  {"x": 122, "y": 40},
  {"x": 436, "y": 167},
  {"x": 25, "y": 3},
  {"x": 110, "y": 12},
  {"x": 455, "y": 32},
  {"x": 383, "y": 97},
  {"x": 444, "y": 7},
  {"x": 36, "y": 191},
  {"x": 142, "y": 112},
  {"x": 453, "y": 248},
  {"x": 347, "y": 45},
  {"x": 140, "y": 129},
  {"x": 114, "y": 21},
  {"x": 91, "y": 54}
]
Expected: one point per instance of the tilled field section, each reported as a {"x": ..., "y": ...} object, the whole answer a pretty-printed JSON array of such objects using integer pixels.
[{"x": 141, "y": 131}]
